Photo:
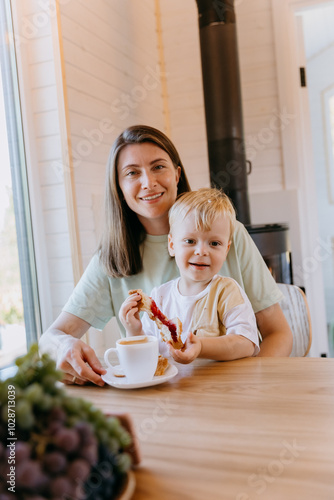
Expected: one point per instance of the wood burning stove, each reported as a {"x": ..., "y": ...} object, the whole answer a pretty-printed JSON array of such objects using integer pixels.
[{"x": 274, "y": 244}]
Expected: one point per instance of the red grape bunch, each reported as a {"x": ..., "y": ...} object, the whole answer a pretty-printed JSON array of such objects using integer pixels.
[{"x": 60, "y": 448}]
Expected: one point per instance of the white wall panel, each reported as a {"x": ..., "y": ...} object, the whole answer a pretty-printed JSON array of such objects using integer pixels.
[
  {"x": 110, "y": 52},
  {"x": 58, "y": 292},
  {"x": 48, "y": 147},
  {"x": 263, "y": 107},
  {"x": 60, "y": 269},
  {"x": 56, "y": 221},
  {"x": 43, "y": 146},
  {"x": 39, "y": 48},
  {"x": 58, "y": 246},
  {"x": 46, "y": 123},
  {"x": 43, "y": 75},
  {"x": 44, "y": 98},
  {"x": 53, "y": 197}
]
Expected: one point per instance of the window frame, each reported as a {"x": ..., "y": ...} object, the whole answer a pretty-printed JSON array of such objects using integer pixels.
[
  {"x": 19, "y": 17},
  {"x": 20, "y": 180},
  {"x": 327, "y": 95}
]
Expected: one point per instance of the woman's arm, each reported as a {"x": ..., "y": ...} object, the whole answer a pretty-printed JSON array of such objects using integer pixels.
[
  {"x": 263, "y": 293},
  {"x": 75, "y": 358},
  {"x": 275, "y": 331}
]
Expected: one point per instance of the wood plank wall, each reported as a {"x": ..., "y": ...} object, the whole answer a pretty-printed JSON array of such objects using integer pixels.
[
  {"x": 111, "y": 60},
  {"x": 40, "y": 110}
]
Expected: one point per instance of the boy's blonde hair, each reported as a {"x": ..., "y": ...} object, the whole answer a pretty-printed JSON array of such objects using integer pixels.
[{"x": 207, "y": 204}]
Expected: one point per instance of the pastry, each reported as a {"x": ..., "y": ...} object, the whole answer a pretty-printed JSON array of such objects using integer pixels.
[
  {"x": 170, "y": 329},
  {"x": 161, "y": 366}
]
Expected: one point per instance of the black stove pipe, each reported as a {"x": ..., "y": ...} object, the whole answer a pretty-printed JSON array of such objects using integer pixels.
[{"x": 223, "y": 104}]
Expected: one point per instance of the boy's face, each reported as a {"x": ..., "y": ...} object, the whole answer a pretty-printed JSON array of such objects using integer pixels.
[{"x": 199, "y": 254}]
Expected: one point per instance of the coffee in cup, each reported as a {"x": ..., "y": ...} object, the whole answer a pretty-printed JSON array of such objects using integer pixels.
[{"x": 138, "y": 357}]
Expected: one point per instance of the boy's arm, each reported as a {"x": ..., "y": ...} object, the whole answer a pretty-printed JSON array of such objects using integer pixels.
[
  {"x": 223, "y": 348},
  {"x": 226, "y": 348},
  {"x": 241, "y": 339},
  {"x": 130, "y": 319}
]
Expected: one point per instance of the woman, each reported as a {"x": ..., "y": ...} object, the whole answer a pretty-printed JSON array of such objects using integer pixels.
[{"x": 144, "y": 176}]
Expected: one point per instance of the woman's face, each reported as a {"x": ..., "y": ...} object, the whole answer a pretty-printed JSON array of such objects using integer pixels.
[{"x": 148, "y": 180}]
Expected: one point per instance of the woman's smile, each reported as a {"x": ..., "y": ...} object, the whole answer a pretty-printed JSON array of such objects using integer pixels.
[{"x": 152, "y": 197}]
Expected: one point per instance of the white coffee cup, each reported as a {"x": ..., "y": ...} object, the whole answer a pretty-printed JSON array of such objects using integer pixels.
[{"x": 138, "y": 357}]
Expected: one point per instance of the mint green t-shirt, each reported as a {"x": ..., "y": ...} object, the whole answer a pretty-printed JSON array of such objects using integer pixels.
[{"x": 98, "y": 297}]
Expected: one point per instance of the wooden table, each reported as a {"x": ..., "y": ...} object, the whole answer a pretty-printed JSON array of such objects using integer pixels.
[{"x": 259, "y": 428}]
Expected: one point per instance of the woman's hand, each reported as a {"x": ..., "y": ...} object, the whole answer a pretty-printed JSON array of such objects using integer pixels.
[
  {"x": 191, "y": 350},
  {"x": 79, "y": 363},
  {"x": 129, "y": 315},
  {"x": 76, "y": 359}
]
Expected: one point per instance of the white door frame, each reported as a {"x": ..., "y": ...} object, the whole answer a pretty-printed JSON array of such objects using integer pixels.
[{"x": 298, "y": 158}]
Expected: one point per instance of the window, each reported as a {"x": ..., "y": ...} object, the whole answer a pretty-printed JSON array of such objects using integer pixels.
[
  {"x": 20, "y": 322},
  {"x": 328, "y": 107},
  {"x": 328, "y": 264},
  {"x": 331, "y": 124}
]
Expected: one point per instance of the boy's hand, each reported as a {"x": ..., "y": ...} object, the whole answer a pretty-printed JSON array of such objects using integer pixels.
[
  {"x": 191, "y": 350},
  {"x": 129, "y": 315}
]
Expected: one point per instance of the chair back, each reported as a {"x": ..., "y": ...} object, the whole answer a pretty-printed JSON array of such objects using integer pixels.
[{"x": 297, "y": 313}]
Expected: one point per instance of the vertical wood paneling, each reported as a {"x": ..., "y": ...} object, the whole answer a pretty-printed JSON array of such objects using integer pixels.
[
  {"x": 113, "y": 79},
  {"x": 66, "y": 146},
  {"x": 260, "y": 95},
  {"x": 184, "y": 84},
  {"x": 34, "y": 35}
]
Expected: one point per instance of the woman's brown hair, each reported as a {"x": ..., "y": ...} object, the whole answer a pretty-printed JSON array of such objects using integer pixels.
[{"x": 119, "y": 248}]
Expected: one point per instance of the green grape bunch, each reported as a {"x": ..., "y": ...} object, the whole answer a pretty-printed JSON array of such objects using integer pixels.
[{"x": 53, "y": 446}]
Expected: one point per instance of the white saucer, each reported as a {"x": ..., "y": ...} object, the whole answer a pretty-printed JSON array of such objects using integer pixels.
[{"x": 122, "y": 383}]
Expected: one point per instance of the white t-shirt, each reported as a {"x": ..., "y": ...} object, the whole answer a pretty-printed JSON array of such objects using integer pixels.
[{"x": 222, "y": 308}]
